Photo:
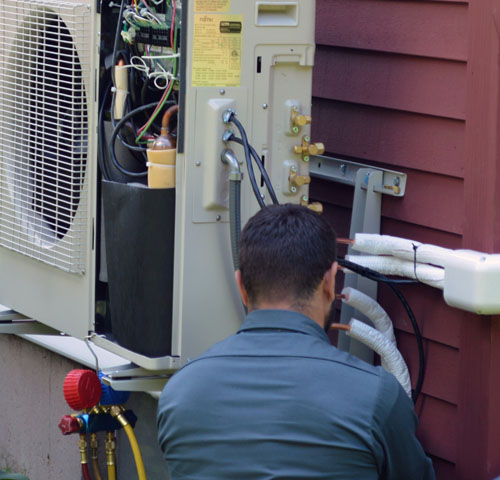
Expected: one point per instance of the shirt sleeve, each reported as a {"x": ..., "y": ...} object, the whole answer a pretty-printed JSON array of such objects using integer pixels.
[{"x": 397, "y": 449}]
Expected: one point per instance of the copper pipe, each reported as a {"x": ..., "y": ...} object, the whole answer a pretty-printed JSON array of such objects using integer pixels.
[
  {"x": 345, "y": 241},
  {"x": 340, "y": 326},
  {"x": 165, "y": 122}
]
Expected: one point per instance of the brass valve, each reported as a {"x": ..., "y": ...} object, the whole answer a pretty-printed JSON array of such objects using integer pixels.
[
  {"x": 307, "y": 148},
  {"x": 298, "y": 120},
  {"x": 82, "y": 445},
  {"x": 315, "y": 206},
  {"x": 110, "y": 448},
  {"x": 296, "y": 180}
]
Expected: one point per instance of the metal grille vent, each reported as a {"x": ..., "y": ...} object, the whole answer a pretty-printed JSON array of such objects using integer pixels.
[{"x": 44, "y": 130}]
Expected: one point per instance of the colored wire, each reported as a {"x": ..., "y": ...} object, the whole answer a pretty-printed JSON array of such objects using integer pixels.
[
  {"x": 168, "y": 90},
  {"x": 378, "y": 277},
  {"x": 115, "y": 134}
]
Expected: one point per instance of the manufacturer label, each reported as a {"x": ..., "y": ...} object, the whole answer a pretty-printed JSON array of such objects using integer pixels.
[
  {"x": 212, "y": 5},
  {"x": 217, "y": 50}
]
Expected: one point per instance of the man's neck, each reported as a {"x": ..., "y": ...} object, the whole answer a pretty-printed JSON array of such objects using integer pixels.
[{"x": 313, "y": 313}]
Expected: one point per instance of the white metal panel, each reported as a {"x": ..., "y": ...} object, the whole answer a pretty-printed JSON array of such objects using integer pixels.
[{"x": 47, "y": 152}]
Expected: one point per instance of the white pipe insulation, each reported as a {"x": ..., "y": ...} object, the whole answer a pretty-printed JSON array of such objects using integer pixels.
[
  {"x": 389, "y": 354},
  {"x": 371, "y": 309},
  {"x": 401, "y": 248},
  {"x": 433, "y": 276}
]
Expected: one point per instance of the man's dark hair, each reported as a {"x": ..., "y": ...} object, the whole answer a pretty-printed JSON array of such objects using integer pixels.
[{"x": 285, "y": 251}]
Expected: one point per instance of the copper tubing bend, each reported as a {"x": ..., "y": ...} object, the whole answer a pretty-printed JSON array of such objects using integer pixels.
[
  {"x": 165, "y": 122},
  {"x": 340, "y": 326}
]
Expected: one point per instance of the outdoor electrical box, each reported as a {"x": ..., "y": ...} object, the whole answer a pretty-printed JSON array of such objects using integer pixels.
[{"x": 142, "y": 265}]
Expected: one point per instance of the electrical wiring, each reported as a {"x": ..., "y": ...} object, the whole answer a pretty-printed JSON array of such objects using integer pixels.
[
  {"x": 246, "y": 148},
  {"x": 115, "y": 134},
  {"x": 392, "y": 284},
  {"x": 261, "y": 167},
  {"x": 168, "y": 90}
]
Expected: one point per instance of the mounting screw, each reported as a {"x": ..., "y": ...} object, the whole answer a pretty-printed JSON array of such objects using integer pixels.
[
  {"x": 293, "y": 168},
  {"x": 295, "y": 129},
  {"x": 342, "y": 169},
  {"x": 305, "y": 198},
  {"x": 222, "y": 91},
  {"x": 218, "y": 217},
  {"x": 263, "y": 196},
  {"x": 265, "y": 106},
  {"x": 198, "y": 163},
  {"x": 307, "y": 138},
  {"x": 295, "y": 108},
  {"x": 397, "y": 181},
  {"x": 293, "y": 189},
  {"x": 306, "y": 158}
]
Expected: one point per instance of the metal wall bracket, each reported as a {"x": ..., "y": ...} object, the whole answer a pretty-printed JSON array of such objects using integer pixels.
[{"x": 369, "y": 183}]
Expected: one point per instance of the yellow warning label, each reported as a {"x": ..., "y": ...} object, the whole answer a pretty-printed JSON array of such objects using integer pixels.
[
  {"x": 217, "y": 50},
  {"x": 212, "y": 5}
]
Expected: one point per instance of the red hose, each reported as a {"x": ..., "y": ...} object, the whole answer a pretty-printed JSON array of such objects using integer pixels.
[{"x": 85, "y": 471}]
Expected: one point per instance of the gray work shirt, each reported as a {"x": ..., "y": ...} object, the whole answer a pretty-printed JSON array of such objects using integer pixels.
[{"x": 277, "y": 401}]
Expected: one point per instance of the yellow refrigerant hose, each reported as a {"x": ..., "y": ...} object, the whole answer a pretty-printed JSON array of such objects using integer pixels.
[{"x": 117, "y": 412}]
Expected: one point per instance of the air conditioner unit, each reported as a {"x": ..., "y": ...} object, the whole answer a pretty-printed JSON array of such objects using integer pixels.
[{"x": 254, "y": 57}]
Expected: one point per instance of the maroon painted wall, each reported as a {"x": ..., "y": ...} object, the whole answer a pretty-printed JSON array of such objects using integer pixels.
[{"x": 413, "y": 85}]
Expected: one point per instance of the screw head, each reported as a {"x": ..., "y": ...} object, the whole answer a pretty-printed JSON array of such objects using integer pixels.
[
  {"x": 306, "y": 158},
  {"x": 265, "y": 106},
  {"x": 293, "y": 168},
  {"x": 295, "y": 108},
  {"x": 293, "y": 189},
  {"x": 222, "y": 91},
  {"x": 198, "y": 163},
  {"x": 295, "y": 129},
  {"x": 397, "y": 181},
  {"x": 217, "y": 218},
  {"x": 305, "y": 198},
  {"x": 307, "y": 138}
]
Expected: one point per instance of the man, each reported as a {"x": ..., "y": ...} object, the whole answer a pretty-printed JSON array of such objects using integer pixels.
[{"x": 276, "y": 400}]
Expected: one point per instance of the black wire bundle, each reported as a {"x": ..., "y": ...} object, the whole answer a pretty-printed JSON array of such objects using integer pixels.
[
  {"x": 378, "y": 277},
  {"x": 249, "y": 154}
]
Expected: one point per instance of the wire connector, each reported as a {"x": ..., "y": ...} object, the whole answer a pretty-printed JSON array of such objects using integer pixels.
[{"x": 229, "y": 158}]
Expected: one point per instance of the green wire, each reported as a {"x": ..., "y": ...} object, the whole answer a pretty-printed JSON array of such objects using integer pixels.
[{"x": 152, "y": 119}]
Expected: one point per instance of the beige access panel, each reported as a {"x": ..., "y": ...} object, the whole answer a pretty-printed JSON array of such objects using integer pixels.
[{"x": 255, "y": 57}]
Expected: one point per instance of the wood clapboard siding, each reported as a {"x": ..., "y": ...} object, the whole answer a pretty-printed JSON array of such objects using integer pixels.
[
  {"x": 392, "y": 87},
  {"x": 396, "y": 138}
]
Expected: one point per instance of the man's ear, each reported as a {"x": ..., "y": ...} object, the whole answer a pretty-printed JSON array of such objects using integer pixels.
[
  {"x": 329, "y": 281},
  {"x": 241, "y": 287}
]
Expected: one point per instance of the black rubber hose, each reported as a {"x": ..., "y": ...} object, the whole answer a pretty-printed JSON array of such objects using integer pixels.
[
  {"x": 115, "y": 134},
  {"x": 235, "y": 219},
  {"x": 248, "y": 159},
  {"x": 262, "y": 169}
]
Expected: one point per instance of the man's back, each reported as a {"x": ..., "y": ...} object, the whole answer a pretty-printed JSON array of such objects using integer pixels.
[{"x": 276, "y": 401}]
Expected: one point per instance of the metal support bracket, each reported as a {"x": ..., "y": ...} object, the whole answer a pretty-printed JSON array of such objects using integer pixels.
[
  {"x": 135, "y": 379},
  {"x": 14, "y": 323},
  {"x": 369, "y": 183}
]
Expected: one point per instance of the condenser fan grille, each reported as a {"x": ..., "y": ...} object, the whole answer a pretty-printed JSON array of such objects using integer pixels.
[{"x": 44, "y": 130}]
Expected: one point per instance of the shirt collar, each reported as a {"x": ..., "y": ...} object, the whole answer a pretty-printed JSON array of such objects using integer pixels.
[{"x": 283, "y": 320}]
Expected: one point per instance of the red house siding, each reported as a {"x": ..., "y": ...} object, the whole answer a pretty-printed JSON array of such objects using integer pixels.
[{"x": 413, "y": 85}]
